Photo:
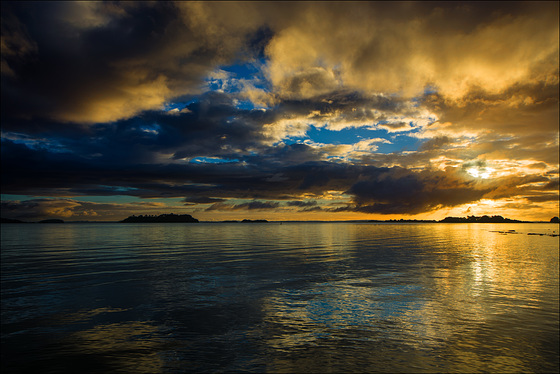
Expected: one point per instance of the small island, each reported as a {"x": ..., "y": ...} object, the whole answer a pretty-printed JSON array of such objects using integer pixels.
[
  {"x": 483, "y": 219},
  {"x": 51, "y": 220},
  {"x": 163, "y": 218}
]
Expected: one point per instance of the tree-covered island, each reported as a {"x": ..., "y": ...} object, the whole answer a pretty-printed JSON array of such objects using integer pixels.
[
  {"x": 162, "y": 218},
  {"x": 483, "y": 219}
]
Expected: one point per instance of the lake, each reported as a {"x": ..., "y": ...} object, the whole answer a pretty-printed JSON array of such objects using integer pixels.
[{"x": 265, "y": 297}]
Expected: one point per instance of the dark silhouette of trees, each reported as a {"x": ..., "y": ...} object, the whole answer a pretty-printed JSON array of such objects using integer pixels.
[
  {"x": 163, "y": 218},
  {"x": 52, "y": 220},
  {"x": 483, "y": 219}
]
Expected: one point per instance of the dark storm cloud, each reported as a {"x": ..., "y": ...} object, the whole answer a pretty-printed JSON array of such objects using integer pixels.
[
  {"x": 38, "y": 171},
  {"x": 202, "y": 200},
  {"x": 313, "y": 209},
  {"x": 252, "y": 205},
  {"x": 298, "y": 203},
  {"x": 289, "y": 154},
  {"x": 399, "y": 191},
  {"x": 72, "y": 67},
  {"x": 91, "y": 62},
  {"x": 373, "y": 189},
  {"x": 210, "y": 126}
]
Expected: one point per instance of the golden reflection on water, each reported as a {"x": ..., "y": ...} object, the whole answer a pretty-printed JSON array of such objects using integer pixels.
[
  {"x": 131, "y": 347},
  {"x": 484, "y": 285},
  {"x": 85, "y": 315},
  {"x": 501, "y": 273},
  {"x": 298, "y": 298}
]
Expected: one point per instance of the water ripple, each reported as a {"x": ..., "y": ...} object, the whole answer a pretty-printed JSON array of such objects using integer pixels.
[{"x": 165, "y": 298}]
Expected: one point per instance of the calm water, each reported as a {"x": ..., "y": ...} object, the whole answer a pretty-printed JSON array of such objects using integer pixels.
[{"x": 340, "y": 297}]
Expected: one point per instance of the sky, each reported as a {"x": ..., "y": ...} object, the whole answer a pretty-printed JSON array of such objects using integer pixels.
[{"x": 279, "y": 111}]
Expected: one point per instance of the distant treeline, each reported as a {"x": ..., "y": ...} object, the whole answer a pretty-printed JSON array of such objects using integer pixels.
[
  {"x": 186, "y": 218},
  {"x": 483, "y": 219},
  {"x": 173, "y": 218}
]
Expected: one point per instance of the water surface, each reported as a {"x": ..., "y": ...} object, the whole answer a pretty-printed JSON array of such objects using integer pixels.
[{"x": 305, "y": 297}]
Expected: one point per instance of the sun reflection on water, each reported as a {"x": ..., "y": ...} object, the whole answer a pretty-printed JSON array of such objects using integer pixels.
[{"x": 284, "y": 298}]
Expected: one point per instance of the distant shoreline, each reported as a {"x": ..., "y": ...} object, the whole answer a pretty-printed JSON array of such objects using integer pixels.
[{"x": 279, "y": 222}]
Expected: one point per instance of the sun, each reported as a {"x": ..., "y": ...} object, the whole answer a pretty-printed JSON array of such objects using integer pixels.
[{"x": 480, "y": 172}]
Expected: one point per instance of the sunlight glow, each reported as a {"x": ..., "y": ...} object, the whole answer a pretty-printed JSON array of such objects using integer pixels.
[
  {"x": 488, "y": 203},
  {"x": 483, "y": 173},
  {"x": 473, "y": 172}
]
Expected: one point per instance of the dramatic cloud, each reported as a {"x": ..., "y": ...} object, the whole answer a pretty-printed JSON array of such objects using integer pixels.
[
  {"x": 399, "y": 191},
  {"x": 202, "y": 200},
  {"x": 38, "y": 209},
  {"x": 252, "y": 205},
  {"x": 402, "y": 47},
  {"x": 318, "y": 109},
  {"x": 101, "y": 62}
]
